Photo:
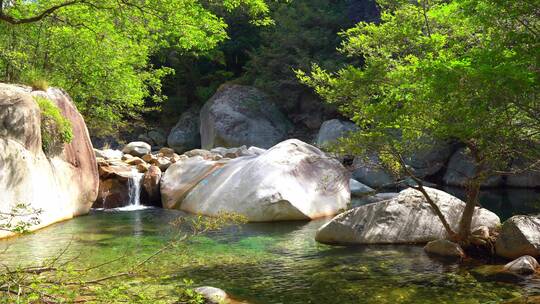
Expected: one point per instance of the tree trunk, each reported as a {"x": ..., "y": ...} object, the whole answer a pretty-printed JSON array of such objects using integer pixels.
[{"x": 473, "y": 192}]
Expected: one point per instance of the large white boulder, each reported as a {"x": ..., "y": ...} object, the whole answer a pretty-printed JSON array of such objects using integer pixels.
[
  {"x": 290, "y": 181},
  {"x": 241, "y": 115},
  {"x": 63, "y": 184},
  {"x": 520, "y": 235},
  {"x": 406, "y": 218}
]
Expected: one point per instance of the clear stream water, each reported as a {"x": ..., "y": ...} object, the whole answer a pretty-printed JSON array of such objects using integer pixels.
[{"x": 278, "y": 262}]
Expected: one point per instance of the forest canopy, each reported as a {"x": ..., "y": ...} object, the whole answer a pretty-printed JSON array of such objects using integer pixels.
[{"x": 100, "y": 50}]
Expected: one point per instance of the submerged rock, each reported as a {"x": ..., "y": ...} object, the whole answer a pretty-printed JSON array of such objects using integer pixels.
[
  {"x": 407, "y": 218},
  {"x": 520, "y": 235},
  {"x": 241, "y": 115},
  {"x": 63, "y": 184},
  {"x": 524, "y": 265},
  {"x": 444, "y": 248},
  {"x": 290, "y": 181}
]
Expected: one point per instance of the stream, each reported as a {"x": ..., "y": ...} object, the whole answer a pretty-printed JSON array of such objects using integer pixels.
[{"x": 275, "y": 262}]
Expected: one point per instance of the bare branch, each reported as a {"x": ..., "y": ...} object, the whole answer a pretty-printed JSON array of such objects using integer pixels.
[{"x": 38, "y": 17}]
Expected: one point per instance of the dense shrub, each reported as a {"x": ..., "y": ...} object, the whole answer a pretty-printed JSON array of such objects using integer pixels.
[{"x": 56, "y": 130}]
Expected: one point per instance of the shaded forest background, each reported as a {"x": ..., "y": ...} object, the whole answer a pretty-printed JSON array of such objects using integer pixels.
[{"x": 304, "y": 32}]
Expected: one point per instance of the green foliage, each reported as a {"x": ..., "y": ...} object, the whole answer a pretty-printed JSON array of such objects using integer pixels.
[
  {"x": 305, "y": 31},
  {"x": 99, "y": 50},
  {"x": 462, "y": 70},
  {"x": 441, "y": 70},
  {"x": 188, "y": 295},
  {"x": 56, "y": 130},
  {"x": 20, "y": 218}
]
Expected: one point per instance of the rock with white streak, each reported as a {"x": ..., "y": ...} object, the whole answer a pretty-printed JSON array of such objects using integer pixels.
[
  {"x": 405, "y": 219},
  {"x": 291, "y": 181}
]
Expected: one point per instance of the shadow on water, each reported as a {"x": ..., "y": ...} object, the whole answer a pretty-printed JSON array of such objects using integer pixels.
[{"x": 505, "y": 202}]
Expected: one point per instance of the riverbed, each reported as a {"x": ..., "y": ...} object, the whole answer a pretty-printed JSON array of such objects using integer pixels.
[{"x": 270, "y": 262}]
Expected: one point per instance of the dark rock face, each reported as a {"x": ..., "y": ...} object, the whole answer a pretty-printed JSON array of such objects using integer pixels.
[
  {"x": 113, "y": 193},
  {"x": 241, "y": 115},
  {"x": 370, "y": 172},
  {"x": 461, "y": 169},
  {"x": 526, "y": 179},
  {"x": 185, "y": 134},
  {"x": 150, "y": 185}
]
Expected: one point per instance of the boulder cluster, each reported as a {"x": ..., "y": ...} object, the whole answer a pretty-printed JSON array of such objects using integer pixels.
[{"x": 117, "y": 167}]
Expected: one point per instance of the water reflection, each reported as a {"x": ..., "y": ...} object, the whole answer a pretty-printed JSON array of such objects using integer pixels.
[{"x": 274, "y": 262}]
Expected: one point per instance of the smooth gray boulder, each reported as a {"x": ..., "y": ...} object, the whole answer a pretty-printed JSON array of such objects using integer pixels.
[
  {"x": 405, "y": 219},
  {"x": 430, "y": 158},
  {"x": 291, "y": 181},
  {"x": 241, "y": 115},
  {"x": 359, "y": 189},
  {"x": 520, "y": 235},
  {"x": 461, "y": 168},
  {"x": 185, "y": 134},
  {"x": 370, "y": 172},
  {"x": 444, "y": 248},
  {"x": 158, "y": 137},
  {"x": 137, "y": 148},
  {"x": 524, "y": 265},
  {"x": 332, "y": 130}
]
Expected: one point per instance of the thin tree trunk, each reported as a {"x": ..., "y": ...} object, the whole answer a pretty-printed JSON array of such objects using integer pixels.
[
  {"x": 473, "y": 192},
  {"x": 420, "y": 187}
]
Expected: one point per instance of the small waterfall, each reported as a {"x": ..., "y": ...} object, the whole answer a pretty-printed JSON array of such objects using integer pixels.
[{"x": 134, "y": 186}]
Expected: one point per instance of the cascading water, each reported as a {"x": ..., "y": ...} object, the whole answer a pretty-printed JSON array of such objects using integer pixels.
[{"x": 134, "y": 186}]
